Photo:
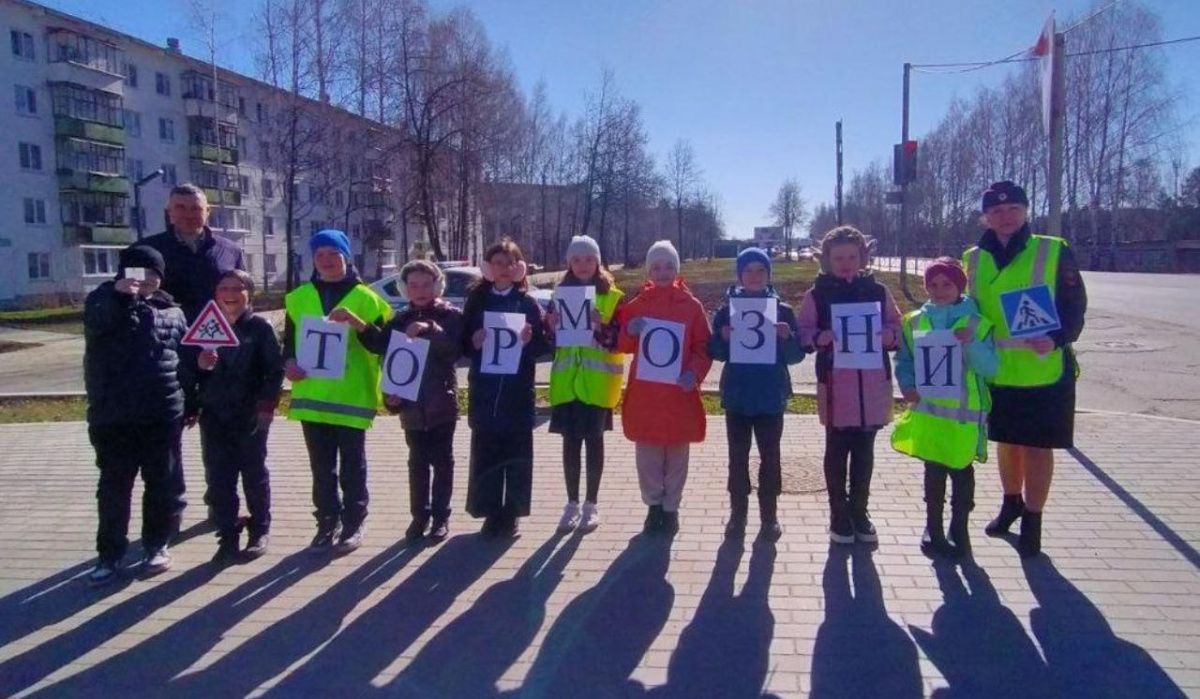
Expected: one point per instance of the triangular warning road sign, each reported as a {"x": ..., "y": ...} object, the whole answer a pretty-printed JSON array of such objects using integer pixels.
[
  {"x": 1030, "y": 315},
  {"x": 211, "y": 330}
]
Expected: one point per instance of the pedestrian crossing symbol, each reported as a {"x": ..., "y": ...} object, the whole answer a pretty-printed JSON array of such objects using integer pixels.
[
  {"x": 1030, "y": 312},
  {"x": 210, "y": 330}
]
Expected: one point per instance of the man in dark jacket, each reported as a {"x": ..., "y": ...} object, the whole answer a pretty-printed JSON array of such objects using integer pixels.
[
  {"x": 132, "y": 333},
  {"x": 429, "y": 421},
  {"x": 195, "y": 259},
  {"x": 238, "y": 392}
]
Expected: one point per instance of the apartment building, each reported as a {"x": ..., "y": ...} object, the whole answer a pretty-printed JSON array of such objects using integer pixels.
[{"x": 95, "y": 112}]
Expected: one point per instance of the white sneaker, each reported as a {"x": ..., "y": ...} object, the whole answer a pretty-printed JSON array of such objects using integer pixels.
[
  {"x": 590, "y": 518},
  {"x": 570, "y": 517},
  {"x": 156, "y": 561}
]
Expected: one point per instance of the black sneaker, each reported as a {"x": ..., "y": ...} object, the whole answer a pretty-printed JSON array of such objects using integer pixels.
[
  {"x": 670, "y": 523},
  {"x": 256, "y": 547},
  {"x": 935, "y": 545},
  {"x": 227, "y": 553},
  {"x": 840, "y": 530},
  {"x": 323, "y": 541},
  {"x": 350, "y": 541},
  {"x": 864, "y": 531},
  {"x": 416, "y": 529},
  {"x": 491, "y": 526},
  {"x": 509, "y": 527},
  {"x": 104, "y": 573},
  {"x": 654, "y": 519},
  {"x": 439, "y": 531}
]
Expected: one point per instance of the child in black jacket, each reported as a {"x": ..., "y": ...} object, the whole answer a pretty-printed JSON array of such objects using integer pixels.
[
  {"x": 238, "y": 392},
  {"x": 501, "y": 407}
]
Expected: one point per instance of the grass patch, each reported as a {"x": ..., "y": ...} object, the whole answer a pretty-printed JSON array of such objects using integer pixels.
[
  {"x": 61, "y": 319},
  {"x": 7, "y": 346}
]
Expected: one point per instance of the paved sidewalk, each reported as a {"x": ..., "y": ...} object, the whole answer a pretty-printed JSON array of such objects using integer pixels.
[{"x": 1111, "y": 611}]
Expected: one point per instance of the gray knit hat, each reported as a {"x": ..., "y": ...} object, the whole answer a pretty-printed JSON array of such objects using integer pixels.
[
  {"x": 582, "y": 246},
  {"x": 662, "y": 250}
]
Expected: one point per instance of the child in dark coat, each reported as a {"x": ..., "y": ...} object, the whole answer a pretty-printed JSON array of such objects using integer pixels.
[
  {"x": 429, "y": 421},
  {"x": 501, "y": 408},
  {"x": 132, "y": 332},
  {"x": 238, "y": 392}
]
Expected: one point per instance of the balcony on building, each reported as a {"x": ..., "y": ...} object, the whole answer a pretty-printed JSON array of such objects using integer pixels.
[
  {"x": 87, "y": 113},
  {"x": 79, "y": 57},
  {"x": 95, "y": 217},
  {"x": 219, "y": 182},
  {"x": 89, "y": 166},
  {"x": 212, "y": 141},
  {"x": 200, "y": 101},
  {"x": 228, "y": 221}
]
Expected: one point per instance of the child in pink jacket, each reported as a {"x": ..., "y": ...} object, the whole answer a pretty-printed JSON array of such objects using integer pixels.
[{"x": 853, "y": 403}]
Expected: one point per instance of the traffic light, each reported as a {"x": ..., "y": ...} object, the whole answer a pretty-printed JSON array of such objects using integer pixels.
[{"x": 904, "y": 163}]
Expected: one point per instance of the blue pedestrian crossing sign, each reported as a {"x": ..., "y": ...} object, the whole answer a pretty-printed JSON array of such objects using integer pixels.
[{"x": 1030, "y": 312}]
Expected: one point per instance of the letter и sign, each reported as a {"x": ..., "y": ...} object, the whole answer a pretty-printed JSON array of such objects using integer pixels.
[
  {"x": 404, "y": 366},
  {"x": 938, "y": 364}
]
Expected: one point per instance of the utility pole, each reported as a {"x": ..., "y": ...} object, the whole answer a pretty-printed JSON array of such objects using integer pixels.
[
  {"x": 902, "y": 230},
  {"x": 1058, "y": 113},
  {"x": 839, "y": 172}
]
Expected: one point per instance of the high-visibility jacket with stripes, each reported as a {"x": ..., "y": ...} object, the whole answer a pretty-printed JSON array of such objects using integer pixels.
[
  {"x": 589, "y": 374},
  {"x": 1036, "y": 265},
  {"x": 352, "y": 400},
  {"x": 947, "y": 431}
]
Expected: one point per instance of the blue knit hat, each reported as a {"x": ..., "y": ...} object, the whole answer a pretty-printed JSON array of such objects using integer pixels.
[
  {"x": 331, "y": 238},
  {"x": 749, "y": 255}
]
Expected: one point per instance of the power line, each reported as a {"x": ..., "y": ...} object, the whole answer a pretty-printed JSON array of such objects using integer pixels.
[
  {"x": 1138, "y": 46},
  {"x": 968, "y": 67}
]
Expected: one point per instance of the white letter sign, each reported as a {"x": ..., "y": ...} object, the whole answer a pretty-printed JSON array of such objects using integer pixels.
[
  {"x": 501, "y": 342},
  {"x": 404, "y": 366},
  {"x": 938, "y": 364},
  {"x": 753, "y": 338},
  {"x": 322, "y": 350},
  {"x": 574, "y": 305},
  {"x": 660, "y": 351},
  {"x": 857, "y": 332}
]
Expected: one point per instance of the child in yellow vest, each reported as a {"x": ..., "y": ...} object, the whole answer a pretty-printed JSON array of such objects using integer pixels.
[
  {"x": 948, "y": 433},
  {"x": 585, "y": 383}
]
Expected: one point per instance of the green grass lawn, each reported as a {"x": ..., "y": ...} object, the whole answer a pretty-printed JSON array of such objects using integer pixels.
[{"x": 62, "y": 319}]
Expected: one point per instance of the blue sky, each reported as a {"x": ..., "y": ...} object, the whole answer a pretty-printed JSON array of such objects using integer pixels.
[{"x": 755, "y": 85}]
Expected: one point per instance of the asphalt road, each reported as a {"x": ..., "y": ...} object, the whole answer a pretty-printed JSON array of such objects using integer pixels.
[{"x": 1140, "y": 350}]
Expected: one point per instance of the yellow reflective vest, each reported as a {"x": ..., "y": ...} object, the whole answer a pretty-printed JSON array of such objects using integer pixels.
[
  {"x": 353, "y": 400},
  {"x": 1037, "y": 264},
  {"x": 947, "y": 431},
  {"x": 589, "y": 374}
]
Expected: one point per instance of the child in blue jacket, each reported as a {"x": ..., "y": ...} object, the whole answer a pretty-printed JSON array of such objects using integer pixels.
[{"x": 755, "y": 397}]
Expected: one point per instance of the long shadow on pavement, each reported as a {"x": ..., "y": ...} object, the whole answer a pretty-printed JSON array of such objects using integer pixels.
[
  {"x": 148, "y": 667},
  {"x": 26, "y": 669},
  {"x": 977, "y": 643},
  {"x": 62, "y": 596},
  {"x": 1085, "y": 658},
  {"x": 470, "y": 655},
  {"x": 860, "y": 651},
  {"x": 373, "y": 641},
  {"x": 601, "y": 636},
  {"x": 272, "y": 651},
  {"x": 725, "y": 650}
]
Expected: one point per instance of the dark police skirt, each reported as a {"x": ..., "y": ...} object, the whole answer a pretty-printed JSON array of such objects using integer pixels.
[{"x": 1039, "y": 416}]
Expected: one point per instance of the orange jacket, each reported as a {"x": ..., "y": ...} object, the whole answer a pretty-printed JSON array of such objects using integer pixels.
[{"x": 660, "y": 413}]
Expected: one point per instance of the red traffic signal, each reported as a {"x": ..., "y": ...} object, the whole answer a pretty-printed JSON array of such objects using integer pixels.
[{"x": 904, "y": 163}]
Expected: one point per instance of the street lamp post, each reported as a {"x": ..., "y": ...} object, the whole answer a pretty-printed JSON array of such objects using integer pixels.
[{"x": 137, "y": 197}]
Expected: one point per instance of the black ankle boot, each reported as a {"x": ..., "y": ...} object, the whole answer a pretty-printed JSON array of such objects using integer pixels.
[
  {"x": 933, "y": 541},
  {"x": 654, "y": 518},
  {"x": 739, "y": 505},
  {"x": 1010, "y": 511},
  {"x": 960, "y": 534},
  {"x": 1030, "y": 543},
  {"x": 769, "y": 515}
]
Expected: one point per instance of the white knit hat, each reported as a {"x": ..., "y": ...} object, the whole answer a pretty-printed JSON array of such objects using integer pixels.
[
  {"x": 583, "y": 246},
  {"x": 662, "y": 250}
]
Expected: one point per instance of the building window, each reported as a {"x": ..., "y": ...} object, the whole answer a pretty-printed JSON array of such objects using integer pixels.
[
  {"x": 30, "y": 156},
  {"x": 94, "y": 208},
  {"x": 243, "y": 150},
  {"x": 230, "y": 219},
  {"x": 137, "y": 217},
  {"x": 241, "y": 105},
  {"x": 35, "y": 210},
  {"x": 135, "y": 169},
  {"x": 22, "y": 44},
  {"x": 168, "y": 177},
  {"x": 268, "y": 227},
  {"x": 79, "y": 102},
  {"x": 260, "y": 111},
  {"x": 80, "y": 49},
  {"x": 130, "y": 72},
  {"x": 26, "y": 100},
  {"x": 166, "y": 129},
  {"x": 269, "y": 263},
  {"x": 39, "y": 265},
  {"x": 133, "y": 122},
  {"x": 100, "y": 262},
  {"x": 89, "y": 156},
  {"x": 162, "y": 84},
  {"x": 244, "y": 184},
  {"x": 268, "y": 188}
]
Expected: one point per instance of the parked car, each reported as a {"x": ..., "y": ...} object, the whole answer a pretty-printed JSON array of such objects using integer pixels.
[{"x": 458, "y": 281}]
